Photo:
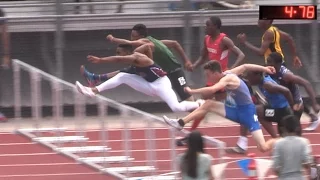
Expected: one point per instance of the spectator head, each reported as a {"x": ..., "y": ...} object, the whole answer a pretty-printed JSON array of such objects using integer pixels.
[
  {"x": 195, "y": 146},
  {"x": 290, "y": 124},
  {"x": 213, "y": 24},
  {"x": 139, "y": 31}
]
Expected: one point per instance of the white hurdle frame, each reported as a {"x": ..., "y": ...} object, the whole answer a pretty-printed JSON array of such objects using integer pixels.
[{"x": 18, "y": 65}]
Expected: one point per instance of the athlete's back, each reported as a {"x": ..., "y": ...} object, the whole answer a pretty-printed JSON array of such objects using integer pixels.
[
  {"x": 163, "y": 56},
  {"x": 275, "y": 100},
  {"x": 275, "y": 45},
  {"x": 239, "y": 96},
  {"x": 294, "y": 88}
]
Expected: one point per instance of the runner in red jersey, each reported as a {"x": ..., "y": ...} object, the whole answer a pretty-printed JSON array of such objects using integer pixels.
[{"x": 216, "y": 47}]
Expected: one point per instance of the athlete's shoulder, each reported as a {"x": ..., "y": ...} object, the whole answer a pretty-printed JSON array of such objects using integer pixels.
[
  {"x": 284, "y": 70},
  {"x": 223, "y": 35}
]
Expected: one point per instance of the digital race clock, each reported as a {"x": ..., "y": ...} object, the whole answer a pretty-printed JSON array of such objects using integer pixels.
[{"x": 307, "y": 12}]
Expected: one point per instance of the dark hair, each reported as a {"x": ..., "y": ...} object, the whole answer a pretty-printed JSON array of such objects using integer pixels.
[
  {"x": 290, "y": 123},
  {"x": 277, "y": 57},
  {"x": 141, "y": 29},
  {"x": 126, "y": 47},
  {"x": 195, "y": 145},
  {"x": 216, "y": 21},
  {"x": 213, "y": 66}
]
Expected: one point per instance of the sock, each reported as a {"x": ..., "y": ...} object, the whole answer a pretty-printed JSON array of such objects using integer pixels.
[
  {"x": 103, "y": 77},
  {"x": 195, "y": 124},
  {"x": 181, "y": 122},
  {"x": 243, "y": 143}
]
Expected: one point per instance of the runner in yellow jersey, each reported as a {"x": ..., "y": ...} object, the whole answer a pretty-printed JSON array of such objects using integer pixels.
[{"x": 271, "y": 42}]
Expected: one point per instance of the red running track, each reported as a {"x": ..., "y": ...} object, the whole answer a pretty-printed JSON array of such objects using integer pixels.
[{"x": 22, "y": 159}]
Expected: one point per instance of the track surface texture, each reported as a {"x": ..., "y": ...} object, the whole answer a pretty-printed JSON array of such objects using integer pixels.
[{"x": 20, "y": 158}]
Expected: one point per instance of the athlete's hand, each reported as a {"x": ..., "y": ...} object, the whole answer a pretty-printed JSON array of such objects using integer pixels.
[
  {"x": 297, "y": 107},
  {"x": 188, "y": 66},
  {"x": 188, "y": 90},
  {"x": 110, "y": 37},
  {"x": 270, "y": 70},
  {"x": 296, "y": 62},
  {"x": 242, "y": 37},
  {"x": 94, "y": 59}
]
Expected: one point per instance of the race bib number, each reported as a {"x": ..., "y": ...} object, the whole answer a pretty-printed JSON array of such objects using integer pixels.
[
  {"x": 182, "y": 81},
  {"x": 269, "y": 112}
]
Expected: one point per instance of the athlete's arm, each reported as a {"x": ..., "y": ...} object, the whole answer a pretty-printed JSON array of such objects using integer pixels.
[
  {"x": 267, "y": 40},
  {"x": 288, "y": 77},
  {"x": 145, "y": 49},
  {"x": 124, "y": 41},
  {"x": 175, "y": 45},
  {"x": 203, "y": 57},
  {"x": 251, "y": 67},
  {"x": 230, "y": 46},
  {"x": 212, "y": 89},
  {"x": 276, "y": 88},
  {"x": 288, "y": 38},
  {"x": 130, "y": 59}
]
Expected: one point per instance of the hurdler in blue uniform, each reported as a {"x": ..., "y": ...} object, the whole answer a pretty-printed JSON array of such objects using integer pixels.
[
  {"x": 238, "y": 105},
  {"x": 279, "y": 101}
]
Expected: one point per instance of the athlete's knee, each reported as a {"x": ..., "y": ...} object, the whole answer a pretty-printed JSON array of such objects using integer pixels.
[
  {"x": 176, "y": 109},
  {"x": 208, "y": 104}
]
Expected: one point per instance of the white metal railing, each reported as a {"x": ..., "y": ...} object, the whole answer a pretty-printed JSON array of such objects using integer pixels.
[{"x": 57, "y": 143}]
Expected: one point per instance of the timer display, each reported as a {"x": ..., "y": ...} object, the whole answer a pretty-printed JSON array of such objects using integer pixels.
[{"x": 307, "y": 12}]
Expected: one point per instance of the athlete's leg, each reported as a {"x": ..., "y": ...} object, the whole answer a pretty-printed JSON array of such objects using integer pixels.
[
  {"x": 267, "y": 125},
  {"x": 95, "y": 79},
  {"x": 162, "y": 88},
  {"x": 262, "y": 145},
  {"x": 247, "y": 116},
  {"x": 134, "y": 81},
  {"x": 314, "y": 120},
  {"x": 209, "y": 106},
  {"x": 179, "y": 82}
]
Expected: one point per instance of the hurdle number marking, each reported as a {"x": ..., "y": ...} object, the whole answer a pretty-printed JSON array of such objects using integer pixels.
[
  {"x": 182, "y": 81},
  {"x": 269, "y": 113}
]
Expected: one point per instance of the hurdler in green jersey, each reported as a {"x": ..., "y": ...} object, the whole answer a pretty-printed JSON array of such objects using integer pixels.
[{"x": 162, "y": 56}]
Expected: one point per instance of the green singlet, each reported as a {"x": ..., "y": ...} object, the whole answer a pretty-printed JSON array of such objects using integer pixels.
[{"x": 163, "y": 56}]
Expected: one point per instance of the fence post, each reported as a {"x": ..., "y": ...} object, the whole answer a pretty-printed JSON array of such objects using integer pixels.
[
  {"x": 315, "y": 50},
  {"x": 187, "y": 33},
  {"x": 59, "y": 45}
]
